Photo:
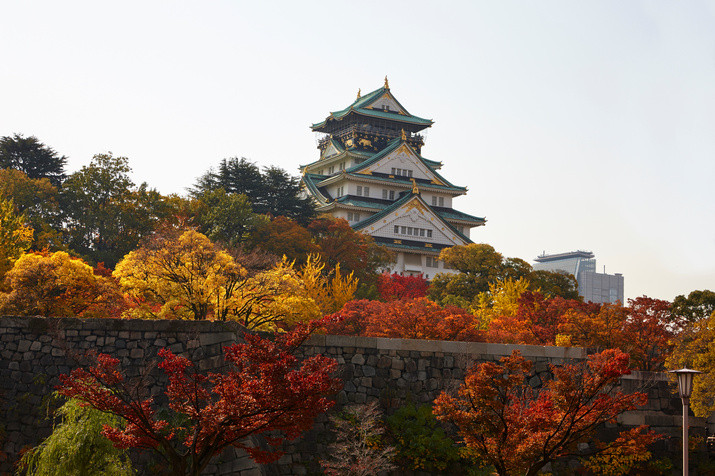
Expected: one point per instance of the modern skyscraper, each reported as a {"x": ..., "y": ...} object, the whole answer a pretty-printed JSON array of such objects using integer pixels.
[{"x": 592, "y": 286}]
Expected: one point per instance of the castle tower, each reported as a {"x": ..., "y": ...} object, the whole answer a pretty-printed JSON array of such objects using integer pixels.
[{"x": 372, "y": 174}]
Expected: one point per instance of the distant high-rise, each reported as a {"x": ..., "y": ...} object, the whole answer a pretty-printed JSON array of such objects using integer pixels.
[{"x": 592, "y": 286}]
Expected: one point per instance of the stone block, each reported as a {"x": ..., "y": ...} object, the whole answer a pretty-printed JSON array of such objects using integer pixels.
[{"x": 357, "y": 359}]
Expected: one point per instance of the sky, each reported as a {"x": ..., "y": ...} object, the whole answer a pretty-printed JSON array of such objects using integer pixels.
[{"x": 575, "y": 125}]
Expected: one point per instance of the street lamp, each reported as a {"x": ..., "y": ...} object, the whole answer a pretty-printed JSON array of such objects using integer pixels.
[{"x": 685, "y": 388}]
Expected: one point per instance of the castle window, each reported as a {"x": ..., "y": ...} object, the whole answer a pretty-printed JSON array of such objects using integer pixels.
[
  {"x": 434, "y": 201},
  {"x": 359, "y": 190},
  {"x": 429, "y": 233},
  {"x": 331, "y": 169},
  {"x": 441, "y": 201},
  {"x": 353, "y": 216},
  {"x": 384, "y": 194},
  {"x": 392, "y": 194},
  {"x": 431, "y": 262},
  {"x": 366, "y": 191},
  {"x": 409, "y": 173},
  {"x": 397, "y": 230}
]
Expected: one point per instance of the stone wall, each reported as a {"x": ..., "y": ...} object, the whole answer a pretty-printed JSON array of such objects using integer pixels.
[{"x": 34, "y": 351}]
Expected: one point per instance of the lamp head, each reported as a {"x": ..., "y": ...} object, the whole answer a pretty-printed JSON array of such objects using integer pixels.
[{"x": 685, "y": 381}]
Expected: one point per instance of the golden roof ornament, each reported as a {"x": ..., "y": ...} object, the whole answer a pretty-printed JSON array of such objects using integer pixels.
[
  {"x": 387, "y": 85},
  {"x": 415, "y": 190},
  {"x": 403, "y": 136},
  {"x": 358, "y": 93}
]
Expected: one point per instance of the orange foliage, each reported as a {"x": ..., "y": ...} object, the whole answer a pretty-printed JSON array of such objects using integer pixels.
[
  {"x": 417, "y": 318},
  {"x": 519, "y": 429},
  {"x": 536, "y": 321}
]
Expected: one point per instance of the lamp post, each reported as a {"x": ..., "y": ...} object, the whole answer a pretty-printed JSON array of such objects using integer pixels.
[{"x": 685, "y": 388}]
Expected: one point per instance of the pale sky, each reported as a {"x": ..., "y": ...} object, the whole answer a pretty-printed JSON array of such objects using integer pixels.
[{"x": 575, "y": 125}]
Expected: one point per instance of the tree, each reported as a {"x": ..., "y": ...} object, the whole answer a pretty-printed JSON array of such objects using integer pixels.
[
  {"x": 15, "y": 236},
  {"x": 698, "y": 305},
  {"x": 273, "y": 192},
  {"x": 478, "y": 266},
  {"x": 282, "y": 236},
  {"x": 38, "y": 201},
  {"x": 358, "y": 449},
  {"x": 537, "y": 321},
  {"x": 32, "y": 157},
  {"x": 395, "y": 286},
  {"x": 76, "y": 446},
  {"x": 105, "y": 214},
  {"x": 225, "y": 218},
  {"x": 554, "y": 283},
  {"x": 501, "y": 300},
  {"x": 57, "y": 285},
  {"x": 264, "y": 390},
  {"x": 694, "y": 349},
  {"x": 519, "y": 429},
  {"x": 356, "y": 252},
  {"x": 180, "y": 275},
  {"x": 417, "y": 318},
  {"x": 283, "y": 196}
]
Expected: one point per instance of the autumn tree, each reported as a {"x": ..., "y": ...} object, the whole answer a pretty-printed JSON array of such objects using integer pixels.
[
  {"x": 694, "y": 349},
  {"x": 57, "y": 285},
  {"x": 38, "y": 201},
  {"x": 185, "y": 275},
  {"x": 264, "y": 391},
  {"x": 501, "y": 300},
  {"x": 356, "y": 252},
  {"x": 179, "y": 274},
  {"x": 283, "y": 237},
  {"x": 520, "y": 429},
  {"x": 15, "y": 236},
  {"x": 32, "y": 157},
  {"x": 536, "y": 322},
  {"x": 417, "y": 318},
  {"x": 396, "y": 286}
]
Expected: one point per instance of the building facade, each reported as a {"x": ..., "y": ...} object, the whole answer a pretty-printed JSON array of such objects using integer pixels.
[
  {"x": 372, "y": 174},
  {"x": 592, "y": 286}
]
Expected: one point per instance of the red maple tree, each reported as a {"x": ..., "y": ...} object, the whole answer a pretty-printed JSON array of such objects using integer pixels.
[
  {"x": 267, "y": 391},
  {"x": 417, "y": 318},
  {"x": 519, "y": 429},
  {"x": 536, "y": 321},
  {"x": 395, "y": 286}
]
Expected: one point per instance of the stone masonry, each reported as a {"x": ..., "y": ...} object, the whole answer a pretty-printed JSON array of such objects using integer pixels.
[{"x": 35, "y": 351}]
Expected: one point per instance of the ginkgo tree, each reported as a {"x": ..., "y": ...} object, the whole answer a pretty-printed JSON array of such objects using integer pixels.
[
  {"x": 518, "y": 429},
  {"x": 265, "y": 390},
  {"x": 184, "y": 275}
]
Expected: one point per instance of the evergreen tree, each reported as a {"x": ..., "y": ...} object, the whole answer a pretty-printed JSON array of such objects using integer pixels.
[
  {"x": 271, "y": 192},
  {"x": 32, "y": 157}
]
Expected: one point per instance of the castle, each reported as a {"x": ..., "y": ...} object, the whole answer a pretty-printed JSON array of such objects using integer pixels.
[{"x": 372, "y": 174}]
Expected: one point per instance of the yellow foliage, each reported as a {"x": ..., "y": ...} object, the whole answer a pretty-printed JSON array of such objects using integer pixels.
[
  {"x": 58, "y": 285},
  {"x": 15, "y": 236},
  {"x": 306, "y": 293},
  {"x": 184, "y": 278},
  {"x": 501, "y": 300}
]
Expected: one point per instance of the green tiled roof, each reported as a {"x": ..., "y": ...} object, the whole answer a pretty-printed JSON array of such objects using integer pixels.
[
  {"x": 390, "y": 147},
  {"x": 396, "y": 205},
  {"x": 360, "y": 106}
]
